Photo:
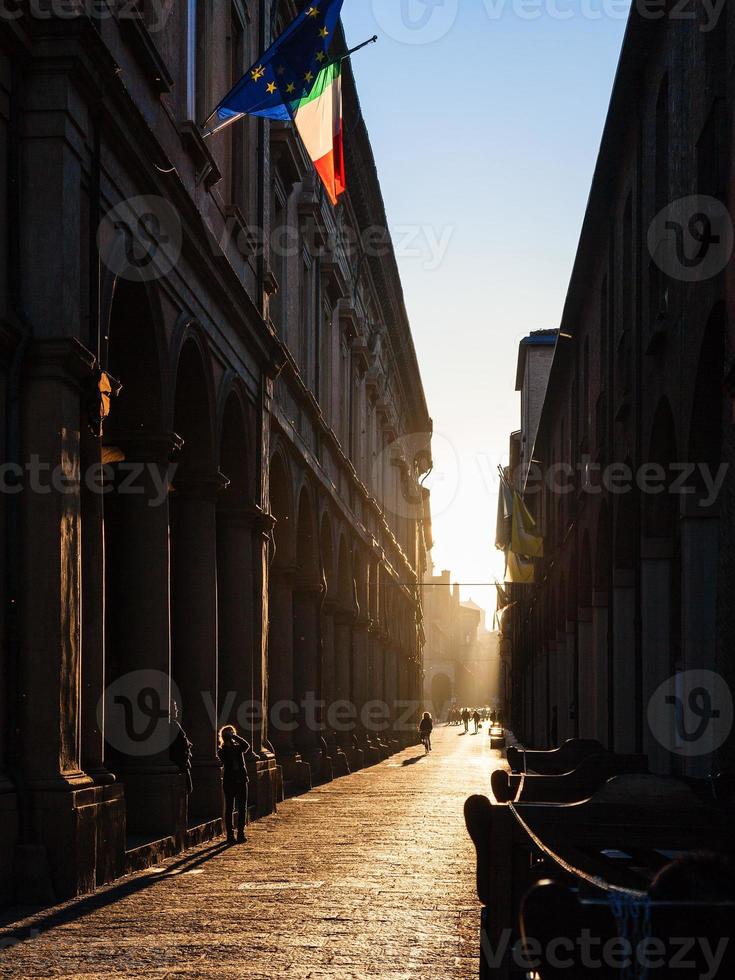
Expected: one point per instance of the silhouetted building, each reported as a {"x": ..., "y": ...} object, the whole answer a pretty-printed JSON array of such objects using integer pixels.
[
  {"x": 249, "y": 530},
  {"x": 634, "y": 590}
]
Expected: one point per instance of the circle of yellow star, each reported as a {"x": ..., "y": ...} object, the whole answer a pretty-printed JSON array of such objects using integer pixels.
[
  {"x": 271, "y": 88},
  {"x": 308, "y": 76},
  {"x": 324, "y": 32},
  {"x": 320, "y": 57},
  {"x": 290, "y": 88},
  {"x": 312, "y": 11},
  {"x": 257, "y": 73}
]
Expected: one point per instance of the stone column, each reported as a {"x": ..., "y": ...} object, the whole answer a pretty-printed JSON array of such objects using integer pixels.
[
  {"x": 137, "y": 611},
  {"x": 376, "y": 693},
  {"x": 335, "y": 752},
  {"x": 700, "y": 530},
  {"x": 539, "y": 701},
  {"x": 572, "y": 722},
  {"x": 553, "y": 680},
  {"x": 343, "y": 623},
  {"x": 268, "y": 778},
  {"x": 562, "y": 685},
  {"x": 309, "y": 737},
  {"x": 194, "y": 629},
  {"x": 656, "y": 640},
  {"x": 360, "y": 688},
  {"x": 623, "y": 654},
  {"x": 391, "y": 693},
  {"x": 601, "y": 660},
  {"x": 283, "y": 721},
  {"x": 93, "y": 609},
  {"x": 588, "y": 680},
  {"x": 236, "y": 617},
  {"x": 241, "y": 607},
  {"x": 8, "y": 801},
  {"x": 57, "y": 854}
]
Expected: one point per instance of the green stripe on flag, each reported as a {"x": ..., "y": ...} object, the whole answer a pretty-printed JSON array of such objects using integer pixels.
[{"x": 326, "y": 77}]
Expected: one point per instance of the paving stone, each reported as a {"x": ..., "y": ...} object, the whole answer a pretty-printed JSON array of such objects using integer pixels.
[{"x": 371, "y": 876}]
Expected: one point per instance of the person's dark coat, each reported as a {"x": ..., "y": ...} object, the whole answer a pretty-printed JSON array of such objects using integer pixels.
[{"x": 232, "y": 756}]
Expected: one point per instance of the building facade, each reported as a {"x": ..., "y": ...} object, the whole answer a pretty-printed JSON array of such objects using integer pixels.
[
  {"x": 460, "y": 654},
  {"x": 632, "y": 482},
  {"x": 214, "y": 432}
]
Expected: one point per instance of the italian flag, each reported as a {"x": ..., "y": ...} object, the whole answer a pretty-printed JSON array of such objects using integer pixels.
[{"x": 318, "y": 118}]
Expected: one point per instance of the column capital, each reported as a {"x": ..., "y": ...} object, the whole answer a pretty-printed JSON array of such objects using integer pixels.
[
  {"x": 247, "y": 515},
  {"x": 308, "y": 584},
  {"x": 60, "y": 359},
  {"x": 146, "y": 446},
  {"x": 345, "y": 616},
  {"x": 199, "y": 484}
]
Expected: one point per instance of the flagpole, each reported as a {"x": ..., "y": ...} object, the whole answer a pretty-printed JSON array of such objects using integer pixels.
[{"x": 348, "y": 54}]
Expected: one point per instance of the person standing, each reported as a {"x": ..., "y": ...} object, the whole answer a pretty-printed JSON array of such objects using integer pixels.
[
  {"x": 476, "y": 718},
  {"x": 466, "y": 719},
  {"x": 232, "y": 749},
  {"x": 180, "y": 750}
]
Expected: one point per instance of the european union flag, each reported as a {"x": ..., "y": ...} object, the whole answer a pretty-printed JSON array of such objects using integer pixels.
[{"x": 286, "y": 72}]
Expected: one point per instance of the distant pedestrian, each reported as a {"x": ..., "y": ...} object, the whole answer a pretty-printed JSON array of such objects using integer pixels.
[
  {"x": 180, "y": 750},
  {"x": 426, "y": 727},
  {"x": 477, "y": 719},
  {"x": 234, "y": 780},
  {"x": 466, "y": 718}
]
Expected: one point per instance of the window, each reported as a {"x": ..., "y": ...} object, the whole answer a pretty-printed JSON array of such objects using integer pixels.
[
  {"x": 278, "y": 263},
  {"x": 197, "y": 37},
  {"x": 191, "y": 58},
  {"x": 325, "y": 362},
  {"x": 306, "y": 320}
]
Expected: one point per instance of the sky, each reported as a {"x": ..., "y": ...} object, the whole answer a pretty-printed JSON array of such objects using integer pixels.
[{"x": 485, "y": 118}]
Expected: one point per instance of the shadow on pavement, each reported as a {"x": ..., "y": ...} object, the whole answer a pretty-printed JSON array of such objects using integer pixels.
[
  {"x": 77, "y": 908},
  {"x": 413, "y": 760}
]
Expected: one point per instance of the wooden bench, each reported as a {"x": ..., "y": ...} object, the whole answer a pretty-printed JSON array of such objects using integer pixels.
[
  {"x": 568, "y": 934},
  {"x": 569, "y": 787},
  {"x": 554, "y": 762},
  {"x": 622, "y": 836}
]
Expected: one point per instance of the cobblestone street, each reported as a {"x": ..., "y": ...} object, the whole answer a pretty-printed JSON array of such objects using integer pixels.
[{"x": 369, "y": 876}]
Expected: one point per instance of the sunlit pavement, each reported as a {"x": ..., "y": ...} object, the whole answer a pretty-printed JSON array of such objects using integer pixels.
[{"x": 369, "y": 876}]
